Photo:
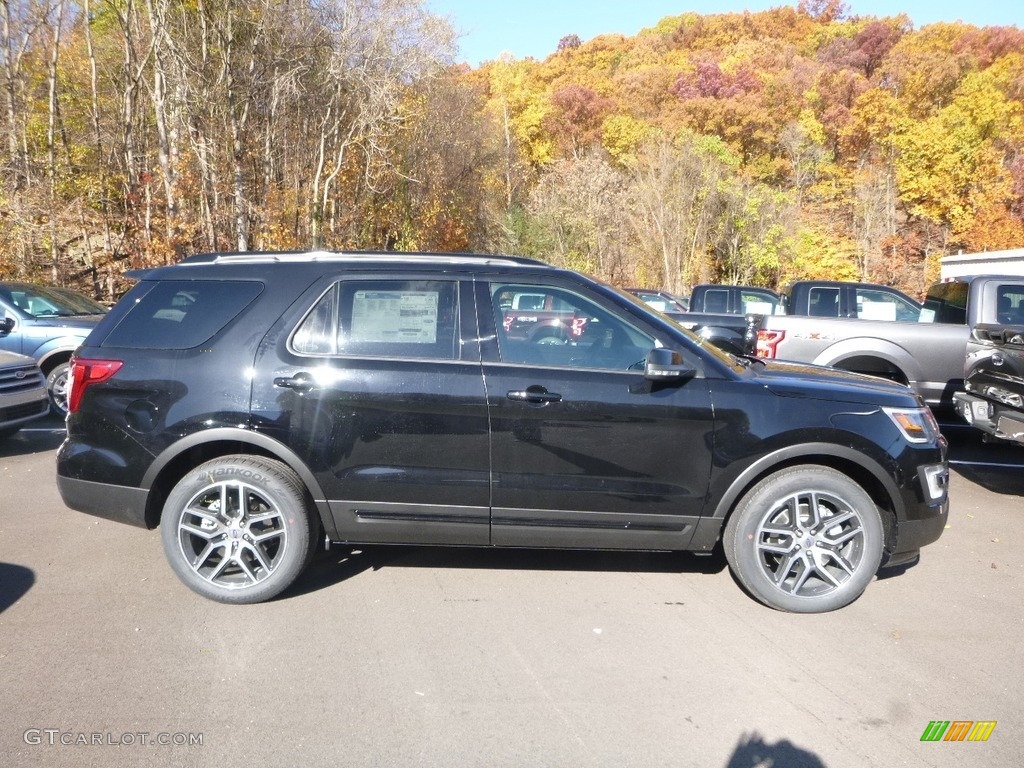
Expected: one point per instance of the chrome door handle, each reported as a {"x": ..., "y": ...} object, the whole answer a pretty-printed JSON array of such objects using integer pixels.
[
  {"x": 300, "y": 382},
  {"x": 534, "y": 394}
]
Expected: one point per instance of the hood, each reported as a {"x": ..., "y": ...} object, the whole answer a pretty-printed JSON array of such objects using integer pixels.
[
  {"x": 803, "y": 380},
  {"x": 70, "y": 322},
  {"x": 14, "y": 359}
]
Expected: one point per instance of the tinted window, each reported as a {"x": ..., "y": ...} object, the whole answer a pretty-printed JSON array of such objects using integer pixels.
[
  {"x": 578, "y": 334},
  {"x": 946, "y": 303},
  {"x": 1010, "y": 304},
  {"x": 823, "y": 302},
  {"x": 382, "y": 318},
  {"x": 716, "y": 301},
  {"x": 181, "y": 314}
]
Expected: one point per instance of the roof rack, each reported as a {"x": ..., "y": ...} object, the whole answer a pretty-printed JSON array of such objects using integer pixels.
[{"x": 268, "y": 257}]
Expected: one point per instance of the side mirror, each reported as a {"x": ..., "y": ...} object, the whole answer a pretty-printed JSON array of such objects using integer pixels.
[
  {"x": 6, "y": 325},
  {"x": 664, "y": 364}
]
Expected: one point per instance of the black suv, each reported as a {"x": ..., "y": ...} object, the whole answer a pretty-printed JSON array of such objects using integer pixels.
[{"x": 249, "y": 404}]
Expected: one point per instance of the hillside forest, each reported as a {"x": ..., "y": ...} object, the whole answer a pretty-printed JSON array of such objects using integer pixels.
[{"x": 799, "y": 142}]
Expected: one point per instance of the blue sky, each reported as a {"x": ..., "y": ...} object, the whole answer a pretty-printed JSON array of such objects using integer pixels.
[{"x": 534, "y": 27}]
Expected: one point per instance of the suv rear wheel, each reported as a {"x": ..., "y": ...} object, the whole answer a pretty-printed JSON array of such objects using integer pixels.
[
  {"x": 807, "y": 539},
  {"x": 238, "y": 529}
]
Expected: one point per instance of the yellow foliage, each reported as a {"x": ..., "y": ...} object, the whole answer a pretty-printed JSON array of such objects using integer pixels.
[
  {"x": 820, "y": 255},
  {"x": 622, "y": 135}
]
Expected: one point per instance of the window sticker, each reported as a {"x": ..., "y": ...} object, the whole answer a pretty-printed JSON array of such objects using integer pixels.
[{"x": 395, "y": 316}]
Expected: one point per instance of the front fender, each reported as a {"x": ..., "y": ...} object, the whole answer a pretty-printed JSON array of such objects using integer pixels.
[
  {"x": 60, "y": 347},
  {"x": 813, "y": 453}
]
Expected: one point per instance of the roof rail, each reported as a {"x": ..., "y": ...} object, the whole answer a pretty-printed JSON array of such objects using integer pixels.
[{"x": 267, "y": 257}]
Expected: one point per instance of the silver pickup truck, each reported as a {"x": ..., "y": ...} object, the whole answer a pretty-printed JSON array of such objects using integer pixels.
[{"x": 928, "y": 355}]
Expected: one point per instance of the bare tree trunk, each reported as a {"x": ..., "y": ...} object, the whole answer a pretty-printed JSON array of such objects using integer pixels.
[
  {"x": 162, "y": 44},
  {"x": 17, "y": 35},
  {"x": 51, "y": 144},
  {"x": 97, "y": 134}
]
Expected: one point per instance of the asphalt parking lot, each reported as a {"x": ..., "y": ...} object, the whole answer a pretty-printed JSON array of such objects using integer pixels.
[{"x": 446, "y": 657}]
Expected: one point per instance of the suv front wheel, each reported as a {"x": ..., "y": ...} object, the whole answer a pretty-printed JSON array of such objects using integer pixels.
[
  {"x": 238, "y": 529},
  {"x": 807, "y": 539},
  {"x": 57, "y": 384}
]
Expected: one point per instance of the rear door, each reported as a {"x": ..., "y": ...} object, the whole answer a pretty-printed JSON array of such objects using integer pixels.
[
  {"x": 375, "y": 382},
  {"x": 586, "y": 452}
]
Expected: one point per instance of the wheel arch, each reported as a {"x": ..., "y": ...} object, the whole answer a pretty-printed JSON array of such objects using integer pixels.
[
  {"x": 54, "y": 357},
  {"x": 862, "y": 355},
  {"x": 867, "y": 473},
  {"x": 176, "y": 461}
]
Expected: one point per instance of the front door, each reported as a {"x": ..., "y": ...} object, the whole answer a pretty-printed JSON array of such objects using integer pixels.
[{"x": 585, "y": 451}]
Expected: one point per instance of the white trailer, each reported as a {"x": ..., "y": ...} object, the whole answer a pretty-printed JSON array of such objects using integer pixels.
[{"x": 1009, "y": 262}]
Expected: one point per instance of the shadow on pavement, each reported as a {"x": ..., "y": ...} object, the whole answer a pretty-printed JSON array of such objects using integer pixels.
[
  {"x": 15, "y": 581},
  {"x": 754, "y": 752},
  {"x": 42, "y": 435},
  {"x": 342, "y": 562},
  {"x": 1005, "y": 480}
]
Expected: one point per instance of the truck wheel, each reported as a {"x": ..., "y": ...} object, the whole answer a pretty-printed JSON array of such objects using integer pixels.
[
  {"x": 237, "y": 529},
  {"x": 57, "y": 384},
  {"x": 807, "y": 539}
]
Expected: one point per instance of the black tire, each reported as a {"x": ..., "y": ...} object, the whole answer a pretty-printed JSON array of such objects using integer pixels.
[
  {"x": 252, "y": 550},
  {"x": 57, "y": 385},
  {"x": 807, "y": 539}
]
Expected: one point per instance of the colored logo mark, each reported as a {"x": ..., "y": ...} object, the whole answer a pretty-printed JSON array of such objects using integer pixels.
[{"x": 958, "y": 730}]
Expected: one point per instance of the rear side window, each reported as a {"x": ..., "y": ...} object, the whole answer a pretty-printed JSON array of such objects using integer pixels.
[
  {"x": 873, "y": 304},
  {"x": 823, "y": 302},
  {"x": 181, "y": 314},
  {"x": 382, "y": 318}
]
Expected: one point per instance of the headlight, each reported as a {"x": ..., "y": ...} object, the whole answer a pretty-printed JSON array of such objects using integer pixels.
[{"x": 917, "y": 425}]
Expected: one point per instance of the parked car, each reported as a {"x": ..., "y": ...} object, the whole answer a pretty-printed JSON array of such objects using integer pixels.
[
  {"x": 248, "y": 404},
  {"x": 47, "y": 323},
  {"x": 23, "y": 396},
  {"x": 539, "y": 318}
]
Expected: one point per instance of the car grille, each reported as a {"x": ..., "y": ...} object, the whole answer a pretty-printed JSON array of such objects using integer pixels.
[
  {"x": 16, "y": 412},
  {"x": 20, "y": 378}
]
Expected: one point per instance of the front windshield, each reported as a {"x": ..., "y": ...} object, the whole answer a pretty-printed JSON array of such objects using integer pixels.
[{"x": 39, "y": 301}]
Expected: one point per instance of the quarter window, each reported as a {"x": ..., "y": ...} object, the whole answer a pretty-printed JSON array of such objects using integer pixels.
[{"x": 182, "y": 314}]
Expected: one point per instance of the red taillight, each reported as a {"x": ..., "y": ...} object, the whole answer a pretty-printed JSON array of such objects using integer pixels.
[
  {"x": 767, "y": 341},
  {"x": 84, "y": 373}
]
